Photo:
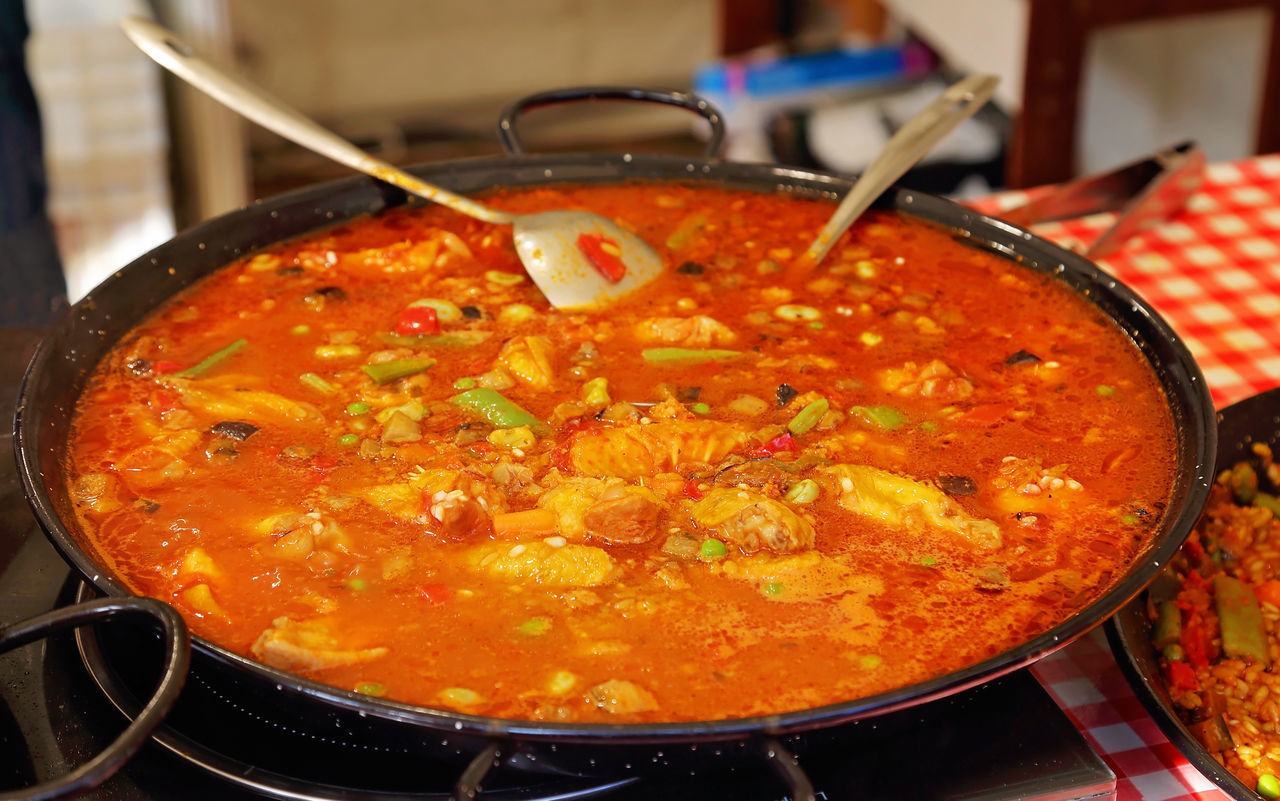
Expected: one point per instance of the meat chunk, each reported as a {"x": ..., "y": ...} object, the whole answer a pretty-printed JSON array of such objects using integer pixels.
[
  {"x": 933, "y": 380},
  {"x": 620, "y": 697},
  {"x": 543, "y": 563},
  {"x": 607, "y": 509},
  {"x": 622, "y": 517},
  {"x": 751, "y": 521},
  {"x": 698, "y": 331},
  {"x": 307, "y": 645},
  {"x": 633, "y": 451},
  {"x": 906, "y": 503},
  {"x": 460, "y": 516}
]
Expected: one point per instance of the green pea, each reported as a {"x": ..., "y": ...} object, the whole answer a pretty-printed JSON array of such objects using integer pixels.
[
  {"x": 1106, "y": 391},
  {"x": 773, "y": 588},
  {"x": 1268, "y": 786},
  {"x": 712, "y": 549},
  {"x": 535, "y": 627},
  {"x": 700, "y": 408},
  {"x": 464, "y": 383},
  {"x": 347, "y": 440},
  {"x": 371, "y": 688},
  {"x": 929, "y": 561},
  {"x": 357, "y": 408},
  {"x": 357, "y": 585}
]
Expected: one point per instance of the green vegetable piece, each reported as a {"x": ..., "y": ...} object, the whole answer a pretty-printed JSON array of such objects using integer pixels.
[
  {"x": 808, "y": 417},
  {"x": 371, "y": 688},
  {"x": 1243, "y": 482},
  {"x": 357, "y": 585},
  {"x": 1168, "y": 628},
  {"x": 929, "y": 561},
  {"x": 700, "y": 408},
  {"x": 1105, "y": 390},
  {"x": 1267, "y": 501},
  {"x": 774, "y": 588},
  {"x": 929, "y": 427},
  {"x": 686, "y": 356},
  {"x": 712, "y": 549},
  {"x": 535, "y": 627},
  {"x": 495, "y": 408},
  {"x": 386, "y": 372},
  {"x": 805, "y": 490},
  {"x": 1244, "y": 635},
  {"x": 317, "y": 383},
  {"x": 347, "y": 440},
  {"x": 1173, "y": 652},
  {"x": 212, "y": 360},
  {"x": 685, "y": 231},
  {"x": 1268, "y": 786},
  {"x": 464, "y": 383},
  {"x": 885, "y": 417},
  {"x": 299, "y": 330},
  {"x": 358, "y": 408}
]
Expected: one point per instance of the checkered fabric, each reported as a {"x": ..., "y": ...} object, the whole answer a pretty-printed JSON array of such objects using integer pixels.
[{"x": 1212, "y": 271}]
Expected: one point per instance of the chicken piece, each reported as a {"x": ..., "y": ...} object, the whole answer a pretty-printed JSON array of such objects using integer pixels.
[
  {"x": 699, "y": 331},
  {"x": 425, "y": 489},
  {"x": 158, "y": 462},
  {"x": 607, "y": 509},
  {"x": 542, "y": 563},
  {"x": 933, "y": 380},
  {"x": 903, "y": 502},
  {"x": 633, "y": 451},
  {"x": 529, "y": 360},
  {"x": 752, "y": 521},
  {"x": 619, "y": 697},
  {"x": 307, "y": 645},
  {"x": 226, "y": 402},
  {"x": 98, "y": 491},
  {"x": 1026, "y": 485}
]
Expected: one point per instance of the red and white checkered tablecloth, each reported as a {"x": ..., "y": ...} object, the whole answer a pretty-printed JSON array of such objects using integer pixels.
[{"x": 1213, "y": 271}]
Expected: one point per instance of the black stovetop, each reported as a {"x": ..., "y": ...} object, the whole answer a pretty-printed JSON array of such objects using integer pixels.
[{"x": 1003, "y": 740}]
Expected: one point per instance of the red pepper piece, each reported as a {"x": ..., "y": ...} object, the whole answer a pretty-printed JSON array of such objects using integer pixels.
[
  {"x": 165, "y": 367},
  {"x": 1195, "y": 643},
  {"x": 418, "y": 320},
  {"x": 1181, "y": 676},
  {"x": 785, "y": 442},
  {"x": 694, "y": 491},
  {"x": 604, "y": 254},
  {"x": 435, "y": 593},
  {"x": 987, "y": 414}
]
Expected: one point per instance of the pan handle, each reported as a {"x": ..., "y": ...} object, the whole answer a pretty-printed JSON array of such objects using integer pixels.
[
  {"x": 177, "y": 660},
  {"x": 511, "y": 140}
]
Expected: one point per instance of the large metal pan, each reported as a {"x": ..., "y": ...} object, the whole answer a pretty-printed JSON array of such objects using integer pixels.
[{"x": 60, "y": 368}]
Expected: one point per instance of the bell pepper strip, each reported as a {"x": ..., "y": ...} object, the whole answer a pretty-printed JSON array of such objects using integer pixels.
[
  {"x": 452, "y": 338},
  {"x": 496, "y": 409},
  {"x": 1195, "y": 642},
  {"x": 1244, "y": 634},
  {"x": 386, "y": 372},
  {"x": 317, "y": 383},
  {"x": 417, "y": 320},
  {"x": 604, "y": 254},
  {"x": 784, "y": 442},
  {"x": 687, "y": 356},
  {"x": 213, "y": 359},
  {"x": 1181, "y": 676},
  {"x": 808, "y": 417}
]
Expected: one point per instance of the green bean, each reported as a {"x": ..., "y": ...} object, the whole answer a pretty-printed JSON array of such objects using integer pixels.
[
  {"x": 687, "y": 356},
  {"x": 385, "y": 372},
  {"x": 453, "y": 338},
  {"x": 1244, "y": 635},
  {"x": 1243, "y": 482},
  {"x": 495, "y": 408},
  {"x": 317, "y": 383},
  {"x": 808, "y": 417},
  {"x": 1168, "y": 627},
  {"x": 1267, "y": 501},
  {"x": 885, "y": 417},
  {"x": 208, "y": 362},
  {"x": 1269, "y": 786}
]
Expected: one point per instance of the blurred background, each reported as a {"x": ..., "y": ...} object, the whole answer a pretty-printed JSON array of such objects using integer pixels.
[{"x": 132, "y": 157}]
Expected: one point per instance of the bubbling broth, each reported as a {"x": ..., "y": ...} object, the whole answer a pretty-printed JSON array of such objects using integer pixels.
[{"x": 377, "y": 458}]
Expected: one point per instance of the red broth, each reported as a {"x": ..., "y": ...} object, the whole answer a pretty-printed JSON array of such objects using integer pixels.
[{"x": 746, "y": 489}]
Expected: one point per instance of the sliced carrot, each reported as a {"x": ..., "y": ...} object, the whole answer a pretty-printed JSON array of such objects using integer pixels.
[{"x": 528, "y": 523}]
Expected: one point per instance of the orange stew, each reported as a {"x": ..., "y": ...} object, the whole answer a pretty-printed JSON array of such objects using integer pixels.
[{"x": 375, "y": 457}]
